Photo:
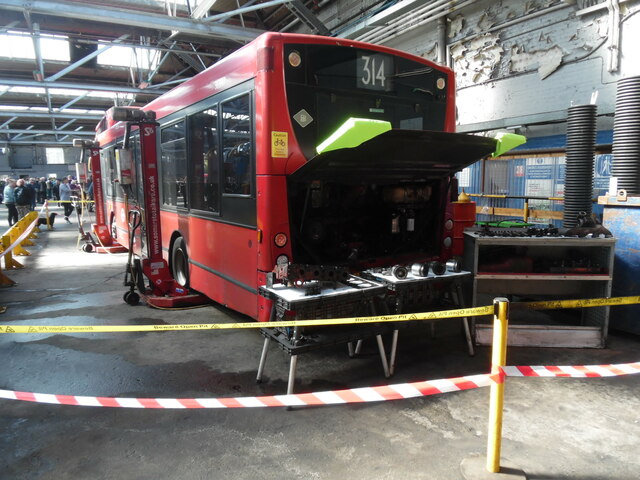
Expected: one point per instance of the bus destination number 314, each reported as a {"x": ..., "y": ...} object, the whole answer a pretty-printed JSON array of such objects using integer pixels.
[{"x": 374, "y": 72}]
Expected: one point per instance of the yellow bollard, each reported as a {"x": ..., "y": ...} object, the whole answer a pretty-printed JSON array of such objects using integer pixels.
[
  {"x": 496, "y": 400},
  {"x": 46, "y": 211},
  {"x": 9, "y": 261}
]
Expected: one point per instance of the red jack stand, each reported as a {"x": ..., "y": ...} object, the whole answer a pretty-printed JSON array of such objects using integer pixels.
[{"x": 164, "y": 291}]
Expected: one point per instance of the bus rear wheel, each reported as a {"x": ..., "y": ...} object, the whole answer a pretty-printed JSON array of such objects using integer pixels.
[{"x": 180, "y": 262}]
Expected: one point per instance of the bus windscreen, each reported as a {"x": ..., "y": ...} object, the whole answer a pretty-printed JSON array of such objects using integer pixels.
[{"x": 328, "y": 84}]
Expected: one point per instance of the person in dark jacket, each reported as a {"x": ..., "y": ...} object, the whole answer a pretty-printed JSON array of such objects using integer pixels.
[
  {"x": 42, "y": 193},
  {"x": 34, "y": 186},
  {"x": 55, "y": 189},
  {"x": 22, "y": 194}
]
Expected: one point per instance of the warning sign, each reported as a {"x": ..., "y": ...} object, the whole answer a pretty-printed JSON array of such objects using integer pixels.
[{"x": 279, "y": 144}]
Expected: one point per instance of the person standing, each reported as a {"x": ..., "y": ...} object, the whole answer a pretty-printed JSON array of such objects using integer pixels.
[
  {"x": 34, "y": 191},
  {"x": 10, "y": 201},
  {"x": 55, "y": 188},
  {"x": 43, "y": 190},
  {"x": 22, "y": 194},
  {"x": 65, "y": 196}
]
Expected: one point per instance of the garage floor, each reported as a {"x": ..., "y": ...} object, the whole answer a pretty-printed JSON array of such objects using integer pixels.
[{"x": 583, "y": 429}]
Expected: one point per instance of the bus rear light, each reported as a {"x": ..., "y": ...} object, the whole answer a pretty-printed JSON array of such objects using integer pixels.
[
  {"x": 280, "y": 240},
  {"x": 282, "y": 260},
  {"x": 295, "y": 59}
]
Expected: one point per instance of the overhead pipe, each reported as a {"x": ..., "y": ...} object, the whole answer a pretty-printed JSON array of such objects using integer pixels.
[
  {"x": 430, "y": 7},
  {"x": 427, "y": 19},
  {"x": 428, "y": 11},
  {"x": 442, "y": 41}
]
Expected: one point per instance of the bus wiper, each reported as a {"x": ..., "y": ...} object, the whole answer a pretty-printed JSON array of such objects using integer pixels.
[
  {"x": 423, "y": 90},
  {"x": 412, "y": 73}
]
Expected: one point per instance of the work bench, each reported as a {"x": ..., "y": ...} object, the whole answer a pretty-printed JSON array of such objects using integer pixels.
[{"x": 370, "y": 294}]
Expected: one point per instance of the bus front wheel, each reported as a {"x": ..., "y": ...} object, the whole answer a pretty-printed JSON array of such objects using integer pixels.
[{"x": 180, "y": 262}]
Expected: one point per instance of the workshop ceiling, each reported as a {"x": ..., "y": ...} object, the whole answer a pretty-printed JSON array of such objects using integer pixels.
[
  {"x": 49, "y": 100},
  {"x": 56, "y": 84}
]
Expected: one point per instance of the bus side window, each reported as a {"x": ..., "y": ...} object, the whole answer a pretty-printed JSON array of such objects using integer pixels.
[
  {"x": 204, "y": 183},
  {"x": 106, "y": 171},
  {"x": 174, "y": 165},
  {"x": 237, "y": 141}
]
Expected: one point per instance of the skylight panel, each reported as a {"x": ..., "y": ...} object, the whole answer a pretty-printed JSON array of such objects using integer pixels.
[
  {"x": 120, "y": 56},
  {"x": 19, "y": 46}
]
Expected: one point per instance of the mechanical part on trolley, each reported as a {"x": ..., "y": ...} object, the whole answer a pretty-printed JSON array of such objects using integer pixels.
[
  {"x": 453, "y": 265},
  {"x": 298, "y": 274},
  {"x": 420, "y": 269},
  {"x": 437, "y": 268},
  {"x": 399, "y": 271},
  {"x": 588, "y": 225}
]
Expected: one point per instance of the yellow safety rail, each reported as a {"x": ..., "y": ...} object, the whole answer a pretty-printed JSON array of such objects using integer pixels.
[{"x": 13, "y": 242}]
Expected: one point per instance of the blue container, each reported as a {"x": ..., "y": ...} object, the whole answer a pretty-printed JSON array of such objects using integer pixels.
[{"x": 623, "y": 219}]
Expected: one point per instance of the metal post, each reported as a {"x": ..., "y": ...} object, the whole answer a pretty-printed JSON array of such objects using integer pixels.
[
  {"x": 263, "y": 359},
  {"x": 498, "y": 359},
  {"x": 394, "y": 351},
  {"x": 383, "y": 356},
  {"x": 292, "y": 374}
]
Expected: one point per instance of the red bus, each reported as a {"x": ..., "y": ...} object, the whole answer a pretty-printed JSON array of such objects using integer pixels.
[{"x": 243, "y": 187}]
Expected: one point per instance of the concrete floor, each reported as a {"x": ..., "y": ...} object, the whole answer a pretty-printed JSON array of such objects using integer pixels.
[{"x": 583, "y": 429}]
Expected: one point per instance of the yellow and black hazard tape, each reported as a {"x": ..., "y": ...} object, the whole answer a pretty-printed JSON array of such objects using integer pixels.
[
  {"x": 458, "y": 313},
  {"x": 582, "y": 303},
  {"x": 408, "y": 317}
]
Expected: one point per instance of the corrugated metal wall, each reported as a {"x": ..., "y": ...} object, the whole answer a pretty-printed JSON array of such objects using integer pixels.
[{"x": 536, "y": 175}]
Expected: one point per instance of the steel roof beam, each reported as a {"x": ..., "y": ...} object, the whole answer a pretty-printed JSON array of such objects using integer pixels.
[
  {"x": 151, "y": 90},
  {"x": 247, "y": 7},
  {"x": 131, "y": 18},
  {"x": 35, "y": 36},
  {"x": 307, "y": 17},
  {"x": 13, "y": 117},
  {"x": 203, "y": 8},
  {"x": 35, "y": 131},
  {"x": 15, "y": 114},
  {"x": 53, "y": 143}
]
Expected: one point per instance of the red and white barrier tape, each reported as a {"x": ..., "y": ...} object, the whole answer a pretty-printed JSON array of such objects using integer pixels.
[
  {"x": 573, "y": 371},
  {"x": 352, "y": 395}
]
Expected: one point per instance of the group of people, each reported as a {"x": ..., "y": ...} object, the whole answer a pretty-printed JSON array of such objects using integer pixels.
[{"x": 21, "y": 196}]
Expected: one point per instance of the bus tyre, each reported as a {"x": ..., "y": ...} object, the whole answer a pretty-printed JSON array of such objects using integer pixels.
[
  {"x": 180, "y": 262},
  {"x": 87, "y": 247},
  {"x": 132, "y": 298}
]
